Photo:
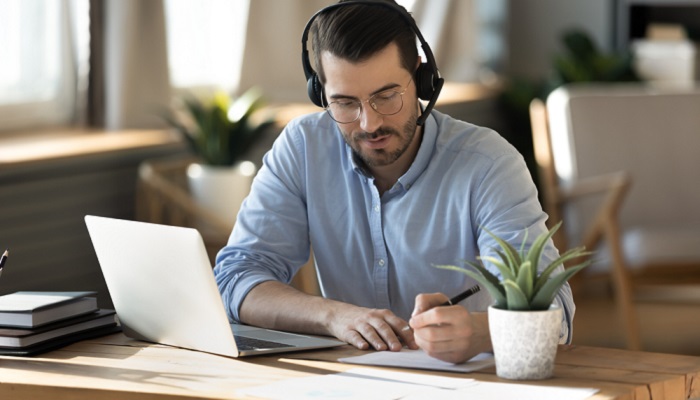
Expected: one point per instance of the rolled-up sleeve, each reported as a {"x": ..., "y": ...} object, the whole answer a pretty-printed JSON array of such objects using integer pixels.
[
  {"x": 270, "y": 239},
  {"x": 508, "y": 206}
]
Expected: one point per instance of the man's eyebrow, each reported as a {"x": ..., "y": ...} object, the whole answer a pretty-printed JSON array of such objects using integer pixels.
[{"x": 339, "y": 96}]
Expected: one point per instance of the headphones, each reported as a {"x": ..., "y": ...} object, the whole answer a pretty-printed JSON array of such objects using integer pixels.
[{"x": 427, "y": 77}]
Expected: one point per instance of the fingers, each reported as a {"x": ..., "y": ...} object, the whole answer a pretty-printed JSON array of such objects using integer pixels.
[
  {"x": 379, "y": 335},
  {"x": 426, "y": 301},
  {"x": 446, "y": 333},
  {"x": 407, "y": 337},
  {"x": 377, "y": 329},
  {"x": 355, "y": 339},
  {"x": 390, "y": 329}
]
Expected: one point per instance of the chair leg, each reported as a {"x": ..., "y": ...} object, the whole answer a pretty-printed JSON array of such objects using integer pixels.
[{"x": 623, "y": 287}]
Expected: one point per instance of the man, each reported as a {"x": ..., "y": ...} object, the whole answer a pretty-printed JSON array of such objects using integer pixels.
[{"x": 380, "y": 198}]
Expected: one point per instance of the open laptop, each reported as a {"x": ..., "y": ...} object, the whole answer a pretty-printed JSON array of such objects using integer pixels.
[{"x": 163, "y": 289}]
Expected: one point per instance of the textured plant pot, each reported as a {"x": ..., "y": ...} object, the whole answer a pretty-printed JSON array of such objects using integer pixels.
[
  {"x": 221, "y": 189},
  {"x": 525, "y": 342}
]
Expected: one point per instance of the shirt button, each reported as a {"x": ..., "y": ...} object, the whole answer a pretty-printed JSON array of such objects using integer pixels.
[
  {"x": 377, "y": 208},
  {"x": 381, "y": 262}
]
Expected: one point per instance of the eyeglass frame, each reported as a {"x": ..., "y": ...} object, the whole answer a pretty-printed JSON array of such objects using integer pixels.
[{"x": 368, "y": 100}]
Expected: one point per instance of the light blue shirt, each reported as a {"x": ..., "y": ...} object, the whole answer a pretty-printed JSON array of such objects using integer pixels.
[{"x": 378, "y": 251}]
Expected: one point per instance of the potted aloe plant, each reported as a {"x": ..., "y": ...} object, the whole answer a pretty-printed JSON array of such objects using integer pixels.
[
  {"x": 524, "y": 322},
  {"x": 221, "y": 131}
]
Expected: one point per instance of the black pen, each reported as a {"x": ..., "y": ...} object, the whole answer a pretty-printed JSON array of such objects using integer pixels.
[
  {"x": 465, "y": 294},
  {"x": 3, "y": 258}
]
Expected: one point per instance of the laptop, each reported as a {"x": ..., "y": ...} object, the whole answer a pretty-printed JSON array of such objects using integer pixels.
[{"x": 163, "y": 289}]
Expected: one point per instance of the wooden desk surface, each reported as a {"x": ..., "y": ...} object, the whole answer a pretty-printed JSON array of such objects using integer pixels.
[{"x": 115, "y": 367}]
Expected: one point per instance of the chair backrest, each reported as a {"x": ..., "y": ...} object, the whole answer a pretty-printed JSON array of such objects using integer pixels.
[{"x": 650, "y": 132}]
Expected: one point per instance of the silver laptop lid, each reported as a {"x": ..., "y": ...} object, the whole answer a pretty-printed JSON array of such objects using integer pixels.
[{"x": 162, "y": 284}]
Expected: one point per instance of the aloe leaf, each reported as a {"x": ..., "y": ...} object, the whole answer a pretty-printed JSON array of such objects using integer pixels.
[
  {"x": 522, "y": 245},
  {"x": 515, "y": 297},
  {"x": 544, "y": 297},
  {"x": 535, "y": 252},
  {"x": 568, "y": 255},
  {"x": 510, "y": 251},
  {"x": 488, "y": 275},
  {"x": 485, "y": 280},
  {"x": 506, "y": 273},
  {"x": 525, "y": 281},
  {"x": 508, "y": 262}
]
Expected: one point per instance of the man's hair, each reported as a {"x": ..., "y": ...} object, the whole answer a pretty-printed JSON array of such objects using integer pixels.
[{"x": 356, "y": 32}]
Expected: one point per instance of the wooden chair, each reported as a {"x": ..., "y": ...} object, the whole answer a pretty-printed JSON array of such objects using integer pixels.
[
  {"x": 624, "y": 189},
  {"x": 163, "y": 198}
]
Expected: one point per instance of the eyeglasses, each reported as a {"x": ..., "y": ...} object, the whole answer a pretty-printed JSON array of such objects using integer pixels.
[{"x": 388, "y": 102}]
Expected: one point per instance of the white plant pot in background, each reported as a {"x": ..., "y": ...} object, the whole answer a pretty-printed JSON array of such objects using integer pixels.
[
  {"x": 221, "y": 189},
  {"x": 525, "y": 342}
]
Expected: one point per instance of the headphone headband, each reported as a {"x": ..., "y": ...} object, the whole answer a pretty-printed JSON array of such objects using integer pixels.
[{"x": 427, "y": 76}]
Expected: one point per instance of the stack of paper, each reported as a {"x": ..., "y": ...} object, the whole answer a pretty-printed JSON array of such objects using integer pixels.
[{"x": 34, "y": 322}]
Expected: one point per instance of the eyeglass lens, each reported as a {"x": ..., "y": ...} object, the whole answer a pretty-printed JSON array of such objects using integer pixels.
[{"x": 388, "y": 102}]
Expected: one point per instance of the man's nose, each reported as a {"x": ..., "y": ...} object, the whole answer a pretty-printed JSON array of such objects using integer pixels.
[{"x": 370, "y": 120}]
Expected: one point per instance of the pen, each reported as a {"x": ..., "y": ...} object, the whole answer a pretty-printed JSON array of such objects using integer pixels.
[
  {"x": 472, "y": 290},
  {"x": 3, "y": 258}
]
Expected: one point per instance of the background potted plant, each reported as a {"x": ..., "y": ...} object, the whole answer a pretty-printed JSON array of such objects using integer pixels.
[
  {"x": 524, "y": 323},
  {"x": 221, "y": 131}
]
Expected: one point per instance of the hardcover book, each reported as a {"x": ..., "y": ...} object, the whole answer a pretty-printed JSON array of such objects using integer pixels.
[
  {"x": 16, "y": 337},
  {"x": 33, "y": 309}
]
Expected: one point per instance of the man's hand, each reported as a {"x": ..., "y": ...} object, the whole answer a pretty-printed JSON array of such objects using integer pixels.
[
  {"x": 367, "y": 328},
  {"x": 449, "y": 333},
  {"x": 276, "y": 305}
]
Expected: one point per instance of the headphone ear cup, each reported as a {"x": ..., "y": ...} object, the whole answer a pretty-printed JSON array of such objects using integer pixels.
[
  {"x": 315, "y": 90},
  {"x": 424, "y": 82}
]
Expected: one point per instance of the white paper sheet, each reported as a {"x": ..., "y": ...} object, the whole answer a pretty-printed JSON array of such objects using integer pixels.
[
  {"x": 376, "y": 384},
  {"x": 357, "y": 383},
  {"x": 500, "y": 391},
  {"x": 418, "y": 359}
]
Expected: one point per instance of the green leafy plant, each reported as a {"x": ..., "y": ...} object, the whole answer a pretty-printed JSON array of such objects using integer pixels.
[
  {"x": 221, "y": 130},
  {"x": 522, "y": 287}
]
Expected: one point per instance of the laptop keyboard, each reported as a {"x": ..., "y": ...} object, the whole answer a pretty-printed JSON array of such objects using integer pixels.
[{"x": 247, "y": 343}]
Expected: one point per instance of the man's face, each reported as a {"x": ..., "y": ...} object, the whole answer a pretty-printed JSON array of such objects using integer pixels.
[{"x": 379, "y": 140}]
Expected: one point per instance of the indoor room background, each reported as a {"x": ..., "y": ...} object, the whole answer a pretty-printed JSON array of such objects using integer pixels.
[{"x": 84, "y": 85}]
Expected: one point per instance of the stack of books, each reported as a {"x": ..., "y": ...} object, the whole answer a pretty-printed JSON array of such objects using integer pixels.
[{"x": 35, "y": 322}]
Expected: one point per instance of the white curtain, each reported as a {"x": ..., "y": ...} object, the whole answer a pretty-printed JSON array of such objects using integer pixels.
[
  {"x": 272, "y": 55},
  {"x": 137, "y": 85}
]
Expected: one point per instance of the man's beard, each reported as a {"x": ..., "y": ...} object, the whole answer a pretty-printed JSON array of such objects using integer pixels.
[{"x": 382, "y": 157}]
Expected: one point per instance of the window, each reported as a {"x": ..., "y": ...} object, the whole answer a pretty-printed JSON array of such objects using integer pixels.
[
  {"x": 205, "y": 43},
  {"x": 42, "y": 45}
]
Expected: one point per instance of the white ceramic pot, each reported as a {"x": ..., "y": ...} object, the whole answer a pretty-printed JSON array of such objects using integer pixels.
[
  {"x": 525, "y": 342},
  {"x": 221, "y": 189}
]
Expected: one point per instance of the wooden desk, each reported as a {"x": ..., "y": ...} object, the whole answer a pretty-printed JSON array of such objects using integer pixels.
[{"x": 115, "y": 367}]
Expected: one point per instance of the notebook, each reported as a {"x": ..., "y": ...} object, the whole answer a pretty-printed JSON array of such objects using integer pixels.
[{"x": 163, "y": 289}]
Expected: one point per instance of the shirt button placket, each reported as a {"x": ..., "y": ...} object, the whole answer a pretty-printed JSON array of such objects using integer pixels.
[{"x": 381, "y": 273}]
